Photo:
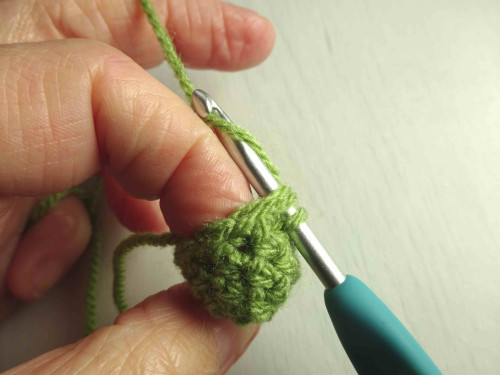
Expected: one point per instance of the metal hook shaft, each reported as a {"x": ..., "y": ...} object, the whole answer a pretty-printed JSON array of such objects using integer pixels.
[{"x": 264, "y": 183}]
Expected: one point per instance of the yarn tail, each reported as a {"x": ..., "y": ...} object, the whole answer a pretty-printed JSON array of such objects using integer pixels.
[{"x": 95, "y": 253}]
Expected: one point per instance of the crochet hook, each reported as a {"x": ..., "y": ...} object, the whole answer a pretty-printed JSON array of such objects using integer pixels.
[{"x": 373, "y": 338}]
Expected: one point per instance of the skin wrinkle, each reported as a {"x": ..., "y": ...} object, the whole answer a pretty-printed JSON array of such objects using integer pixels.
[
  {"x": 247, "y": 36},
  {"x": 66, "y": 358},
  {"x": 39, "y": 361},
  {"x": 181, "y": 13},
  {"x": 131, "y": 354},
  {"x": 67, "y": 353},
  {"x": 20, "y": 127},
  {"x": 48, "y": 131},
  {"x": 139, "y": 125},
  {"x": 237, "y": 45},
  {"x": 213, "y": 45},
  {"x": 6, "y": 112},
  {"x": 18, "y": 18},
  {"x": 143, "y": 149},
  {"x": 132, "y": 160},
  {"x": 225, "y": 31},
  {"x": 145, "y": 319},
  {"x": 44, "y": 97},
  {"x": 191, "y": 322},
  {"x": 224, "y": 196},
  {"x": 92, "y": 31},
  {"x": 24, "y": 24},
  {"x": 102, "y": 17},
  {"x": 200, "y": 140},
  {"x": 117, "y": 347},
  {"x": 155, "y": 364},
  {"x": 164, "y": 316},
  {"x": 23, "y": 77},
  {"x": 95, "y": 353},
  {"x": 176, "y": 338},
  {"x": 187, "y": 15},
  {"x": 97, "y": 76},
  {"x": 76, "y": 351},
  {"x": 167, "y": 315},
  {"x": 235, "y": 42},
  {"x": 69, "y": 63},
  {"x": 226, "y": 188},
  {"x": 129, "y": 9},
  {"x": 47, "y": 13}
]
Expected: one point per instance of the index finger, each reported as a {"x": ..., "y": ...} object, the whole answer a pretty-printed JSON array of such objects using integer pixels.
[{"x": 70, "y": 107}]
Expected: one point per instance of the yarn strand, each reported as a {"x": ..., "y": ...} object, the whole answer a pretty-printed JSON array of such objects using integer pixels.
[
  {"x": 239, "y": 134},
  {"x": 168, "y": 49},
  {"x": 93, "y": 248},
  {"x": 119, "y": 257},
  {"x": 95, "y": 253}
]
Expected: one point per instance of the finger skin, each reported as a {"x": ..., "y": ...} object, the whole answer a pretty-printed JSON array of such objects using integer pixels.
[
  {"x": 137, "y": 215},
  {"x": 48, "y": 249},
  {"x": 168, "y": 333},
  {"x": 71, "y": 107},
  {"x": 207, "y": 33}
]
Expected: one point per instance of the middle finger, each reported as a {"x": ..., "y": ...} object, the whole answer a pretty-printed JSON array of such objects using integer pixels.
[{"x": 207, "y": 33}]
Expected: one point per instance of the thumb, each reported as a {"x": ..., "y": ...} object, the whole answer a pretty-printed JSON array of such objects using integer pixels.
[{"x": 168, "y": 333}]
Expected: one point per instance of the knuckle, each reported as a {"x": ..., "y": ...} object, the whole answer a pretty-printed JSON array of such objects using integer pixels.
[
  {"x": 45, "y": 91},
  {"x": 42, "y": 113},
  {"x": 70, "y": 19}
]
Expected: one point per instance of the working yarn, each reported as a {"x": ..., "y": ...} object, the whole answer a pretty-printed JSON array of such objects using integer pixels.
[{"x": 242, "y": 267}]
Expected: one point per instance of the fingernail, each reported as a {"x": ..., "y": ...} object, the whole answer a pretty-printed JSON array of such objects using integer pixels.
[
  {"x": 233, "y": 341},
  {"x": 44, "y": 277},
  {"x": 48, "y": 269},
  {"x": 66, "y": 221}
]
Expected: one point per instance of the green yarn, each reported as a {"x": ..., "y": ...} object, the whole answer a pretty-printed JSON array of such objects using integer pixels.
[
  {"x": 46, "y": 204},
  {"x": 93, "y": 248},
  {"x": 119, "y": 256},
  {"x": 241, "y": 267},
  {"x": 239, "y": 134},
  {"x": 168, "y": 49}
]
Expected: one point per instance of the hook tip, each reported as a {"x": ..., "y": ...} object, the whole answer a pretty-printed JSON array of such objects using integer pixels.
[{"x": 202, "y": 103}]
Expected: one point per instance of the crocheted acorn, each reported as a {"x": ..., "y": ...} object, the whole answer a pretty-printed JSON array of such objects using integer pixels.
[{"x": 243, "y": 267}]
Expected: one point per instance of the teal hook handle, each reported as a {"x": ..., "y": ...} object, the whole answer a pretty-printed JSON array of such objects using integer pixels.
[{"x": 374, "y": 339}]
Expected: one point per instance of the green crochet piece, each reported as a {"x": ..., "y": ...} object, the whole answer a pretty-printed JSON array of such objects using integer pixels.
[{"x": 242, "y": 267}]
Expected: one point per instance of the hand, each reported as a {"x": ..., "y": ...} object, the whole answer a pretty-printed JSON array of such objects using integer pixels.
[{"x": 72, "y": 108}]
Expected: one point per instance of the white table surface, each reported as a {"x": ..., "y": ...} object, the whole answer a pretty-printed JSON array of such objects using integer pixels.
[{"x": 385, "y": 118}]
